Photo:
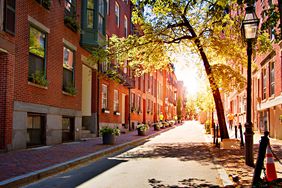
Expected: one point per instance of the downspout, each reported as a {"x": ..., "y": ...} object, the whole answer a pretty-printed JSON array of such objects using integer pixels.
[{"x": 98, "y": 99}]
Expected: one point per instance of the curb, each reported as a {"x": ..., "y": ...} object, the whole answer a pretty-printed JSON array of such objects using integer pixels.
[
  {"x": 55, "y": 169},
  {"x": 225, "y": 180}
]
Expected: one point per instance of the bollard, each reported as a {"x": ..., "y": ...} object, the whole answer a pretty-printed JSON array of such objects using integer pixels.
[
  {"x": 235, "y": 131},
  {"x": 216, "y": 140},
  {"x": 213, "y": 128},
  {"x": 261, "y": 154},
  {"x": 241, "y": 135}
]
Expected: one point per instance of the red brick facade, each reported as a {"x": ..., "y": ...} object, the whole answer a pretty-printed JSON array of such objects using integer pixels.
[
  {"x": 19, "y": 97},
  {"x": 266, "y": 105}
]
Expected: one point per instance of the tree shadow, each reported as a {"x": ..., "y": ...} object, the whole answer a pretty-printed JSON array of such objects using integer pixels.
[
  {"x": 185, "y": 183},
  {"x": 199, "y": 152}
]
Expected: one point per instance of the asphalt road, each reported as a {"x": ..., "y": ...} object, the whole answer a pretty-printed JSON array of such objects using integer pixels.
[{"x": 177, "y": 158}]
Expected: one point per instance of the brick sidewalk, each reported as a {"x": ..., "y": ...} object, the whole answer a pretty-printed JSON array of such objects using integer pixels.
[
  {"x": 18, "y": 163},
  {"x": 233, "y": 161}
]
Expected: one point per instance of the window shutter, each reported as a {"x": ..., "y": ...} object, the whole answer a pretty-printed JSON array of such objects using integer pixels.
[{"x": 10, "y": 16}]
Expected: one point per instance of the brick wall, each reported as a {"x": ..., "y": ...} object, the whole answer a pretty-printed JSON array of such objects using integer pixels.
[
  {"x": 54, "y": 20},
  {"x": 6, "y": 99},
  {"x": 112, "y": 85}
]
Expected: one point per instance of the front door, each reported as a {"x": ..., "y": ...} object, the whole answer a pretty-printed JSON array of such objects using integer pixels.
[{"x": 36, "y": 126}]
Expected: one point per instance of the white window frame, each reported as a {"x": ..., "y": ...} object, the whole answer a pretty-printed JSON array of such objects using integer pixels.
[
  {"x": 117, "y": 14},
  {"x": 271, "y": 78},
  {"x": 104, "y": 96},
  {"x": 108, "y": 6},
  {"x": 125, "y": 26},
  {"x": 116, "y": 100}
]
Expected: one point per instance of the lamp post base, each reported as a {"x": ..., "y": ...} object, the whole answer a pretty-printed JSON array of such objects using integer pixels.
[{"x": 249, "y": 156}]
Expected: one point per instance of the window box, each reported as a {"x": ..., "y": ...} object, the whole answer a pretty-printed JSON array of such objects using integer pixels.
[
  {"x": 39, "y": 78},
  {"x": 105, "y": 110},
  {"x": 45, "y": 3},
  {"x": 70, "y": 89},
  {"x": 71, "y": 23},
  {"x": 117, "y": 113}
]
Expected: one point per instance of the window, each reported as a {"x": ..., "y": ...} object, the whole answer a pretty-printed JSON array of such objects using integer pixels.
[
  {"x": 10, "y": 16},
  {"x": 70, "y": 6},
  {"x": 108, "y": 6},
  {"x": 264, "y": 84},
  {"x": 104, "y": 67},
  {"x": 138, "y": 103},
  {"x": 90, "y": 14},
  {"x": 45, "y": 3},
  {"x": 101, "y": 16},
  {"x": 271, "y": 79},
  {"x": 104, "y": 96},
  {"x": 1, "y": 14},
  {"x": 272, "y": 33},
  {"x": 116, "y": 105},
  {"x": 117, "y": 13},
  {"x": 132, "y": 101},
  {"x": 68, "y": 70},
  {"x": 125, "y": 67},
  {"x": 125, "y": 26},
  {"x": 37, "y": 53},
  {"x": 35, "y": 129}
]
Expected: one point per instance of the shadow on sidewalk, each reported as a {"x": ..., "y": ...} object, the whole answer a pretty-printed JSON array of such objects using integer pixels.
[{"x": 199, "y": 152}]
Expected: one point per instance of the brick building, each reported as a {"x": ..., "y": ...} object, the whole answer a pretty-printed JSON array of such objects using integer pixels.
[
  {"x": 50, "y": 91},
  {"x": 266, "y": 87}
]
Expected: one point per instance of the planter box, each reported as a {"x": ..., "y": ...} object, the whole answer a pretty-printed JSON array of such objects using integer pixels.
[{"x": 109, "y": 139}]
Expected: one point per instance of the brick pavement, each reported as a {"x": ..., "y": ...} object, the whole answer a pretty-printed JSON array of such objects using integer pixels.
[
  {"x": 17, "y": 163},
  {"x": 233, "y": 160}
]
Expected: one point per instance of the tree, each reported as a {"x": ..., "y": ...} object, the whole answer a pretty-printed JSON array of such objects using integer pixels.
[
  {"x": 204, "y": 26},
  {"x": 179, "y": 108}
]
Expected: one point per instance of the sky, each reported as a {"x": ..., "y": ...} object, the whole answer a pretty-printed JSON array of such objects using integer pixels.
[{"x": 188, "y": 72}]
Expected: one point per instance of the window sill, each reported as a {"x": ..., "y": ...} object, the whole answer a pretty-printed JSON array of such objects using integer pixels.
[
  {"x": 106, "y": 111},
  {"x": 117, "y": 113},
  {"x": 68, "y": 94},
  {"x": 37, "y": 85},
  {"x": 271, "y": 97}
]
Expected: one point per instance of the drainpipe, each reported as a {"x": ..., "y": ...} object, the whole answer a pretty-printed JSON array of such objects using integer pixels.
[
  {"x": 98, "y": 99},
  {"x": 129, "y": 103}
]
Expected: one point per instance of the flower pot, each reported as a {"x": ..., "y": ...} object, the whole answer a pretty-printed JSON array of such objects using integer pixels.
[
  {"x": 109, "y": 139},
  {"x": 156, "y": 128},
  {"x": 141, "y": 133}
]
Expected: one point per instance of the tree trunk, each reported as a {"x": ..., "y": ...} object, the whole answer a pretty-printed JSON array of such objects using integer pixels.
[{"x": 215, "y": 92}]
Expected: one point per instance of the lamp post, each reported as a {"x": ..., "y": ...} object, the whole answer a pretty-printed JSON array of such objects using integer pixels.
[{"x": 249, "y": 31}]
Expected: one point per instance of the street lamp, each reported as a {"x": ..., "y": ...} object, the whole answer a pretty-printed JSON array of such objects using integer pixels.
[{"x": 249, "y": 31}]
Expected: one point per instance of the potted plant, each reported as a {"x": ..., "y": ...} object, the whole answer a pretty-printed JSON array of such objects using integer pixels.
[
  {"x": 157, "y": 126},
  {"x": 142, "y": 129},
  {"x": 109, "y": 134}
]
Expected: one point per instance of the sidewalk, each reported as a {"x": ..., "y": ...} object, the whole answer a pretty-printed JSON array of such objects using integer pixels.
[
  {"x": 23, "y": 166},
  {"x": 233, "y": 160}
]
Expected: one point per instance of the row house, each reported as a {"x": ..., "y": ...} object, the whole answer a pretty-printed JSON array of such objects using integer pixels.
[
  {"x": 181, "y": 100},
  {"x": 267, "y": 84},
  {"x": 51, "y": 92},
  {"x": 266, "y": 87}
]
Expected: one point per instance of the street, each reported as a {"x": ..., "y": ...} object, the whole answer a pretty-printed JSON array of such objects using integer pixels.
[{"x": 179, "y": 157}]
